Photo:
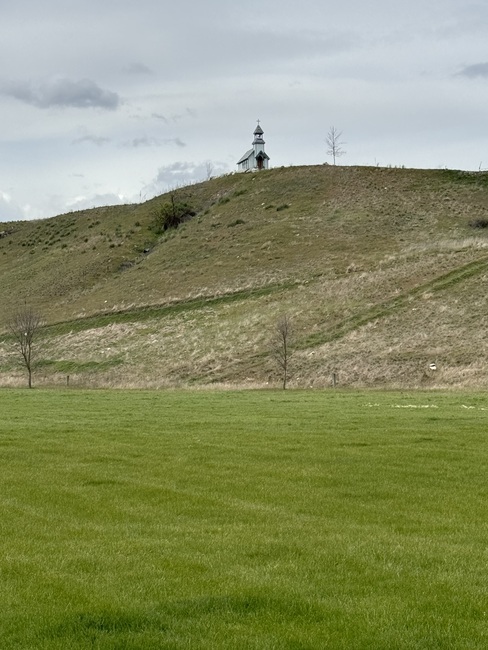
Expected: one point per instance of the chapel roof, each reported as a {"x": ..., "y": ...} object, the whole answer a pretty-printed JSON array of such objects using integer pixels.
[{"x": 247, "y": 155}]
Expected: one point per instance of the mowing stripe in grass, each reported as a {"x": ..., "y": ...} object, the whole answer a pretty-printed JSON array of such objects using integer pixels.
[
  {"x": 394, "y": 304},
  {"x": 160, "y": 311}
]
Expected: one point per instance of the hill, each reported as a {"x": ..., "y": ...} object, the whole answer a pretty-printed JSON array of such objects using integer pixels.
[{"x": 383, "y": 271}]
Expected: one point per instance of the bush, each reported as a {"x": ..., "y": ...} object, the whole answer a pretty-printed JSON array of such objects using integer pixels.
[
  {"x": 172, "y": 214},
  {"x": 479, "y": 223}
]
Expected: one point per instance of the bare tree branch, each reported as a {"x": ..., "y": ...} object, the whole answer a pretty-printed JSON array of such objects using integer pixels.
[
  {"x": 24, "y": 326},
  {"x": 209, "y": 169},
  {"x": 282, "y": 346},
  {"x": 334, "y": 143}
]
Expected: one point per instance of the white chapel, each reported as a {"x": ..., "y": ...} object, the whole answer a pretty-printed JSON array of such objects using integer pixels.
[{"x": 255, "y": 158}]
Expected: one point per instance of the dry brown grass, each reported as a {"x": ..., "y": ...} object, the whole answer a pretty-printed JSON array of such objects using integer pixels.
[{"x": 352, "y": 242}]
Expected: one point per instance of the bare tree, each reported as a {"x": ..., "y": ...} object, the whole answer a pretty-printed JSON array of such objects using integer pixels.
[
  {"x": 209, "y": 169},
  {"x": 334, "y": 143},
  {"x": 23, "y": 326},
  {"x": 282, "y": 346}
]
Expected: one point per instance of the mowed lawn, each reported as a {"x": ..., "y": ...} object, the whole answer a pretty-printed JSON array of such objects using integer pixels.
[{"x": 253, "y": 519}]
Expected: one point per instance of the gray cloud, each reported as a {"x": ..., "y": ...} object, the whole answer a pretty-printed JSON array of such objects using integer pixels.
[
  {"x": 142, "y": 141},
  {"x": 159, "y": 116},
  {"x": 475, "y": 70},
  {"x": 176, "y": 141},
  {"x": 138, "y": 68},
  {"x": 92, "y": 139},
  {"x": 134, "y": 143},
  {"x": 62, "y": 92},
  {"x": 179, "y": 174},
  {"x": 145, "y": 141},
  {"x": 174, "y": 117}
]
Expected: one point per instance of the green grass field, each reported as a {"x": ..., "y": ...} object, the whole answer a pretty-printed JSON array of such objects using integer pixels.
[{"x": 243, "y": 520}]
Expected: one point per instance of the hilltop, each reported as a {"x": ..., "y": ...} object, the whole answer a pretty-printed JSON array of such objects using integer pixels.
[{"x": 382, "y": 271}]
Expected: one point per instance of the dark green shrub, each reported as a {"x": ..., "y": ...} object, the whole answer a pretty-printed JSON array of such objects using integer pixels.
[
  {"x": 171, "y": 214},
  {"x": 479, "y": 223}
]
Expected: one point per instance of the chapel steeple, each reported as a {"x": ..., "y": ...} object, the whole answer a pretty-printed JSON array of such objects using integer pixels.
[
  {"x": 258, "y": 142},
  {"x": 256, "y": 158}
]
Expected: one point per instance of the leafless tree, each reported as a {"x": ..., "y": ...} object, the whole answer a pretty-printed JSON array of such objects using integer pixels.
[
  {"x": 282, "y": 346},
  {"x": 334, "y": 143},
  {"x": 24, "y": 326},
  {"x": 209, "y": 169}
]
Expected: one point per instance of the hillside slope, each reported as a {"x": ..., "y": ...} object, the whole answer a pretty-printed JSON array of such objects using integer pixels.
[{"x": 382, "y": 271}]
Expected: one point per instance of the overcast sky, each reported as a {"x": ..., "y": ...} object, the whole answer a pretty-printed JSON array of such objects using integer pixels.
[{"x": 109, "y": 101}]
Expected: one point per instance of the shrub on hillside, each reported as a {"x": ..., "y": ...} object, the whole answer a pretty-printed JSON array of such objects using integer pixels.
[
  {"x": 171, "y": 214},
  {"x": 479, "y": 223}
]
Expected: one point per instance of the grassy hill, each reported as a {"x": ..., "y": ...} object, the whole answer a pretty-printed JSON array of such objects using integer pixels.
[{"x": 382, "y": 271}]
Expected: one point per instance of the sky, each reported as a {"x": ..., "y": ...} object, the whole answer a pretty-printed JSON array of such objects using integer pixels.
[{"x": 116, "y": 101}]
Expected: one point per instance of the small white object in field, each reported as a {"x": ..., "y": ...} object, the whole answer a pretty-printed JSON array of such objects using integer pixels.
[{"x": 432, "y": 366}]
